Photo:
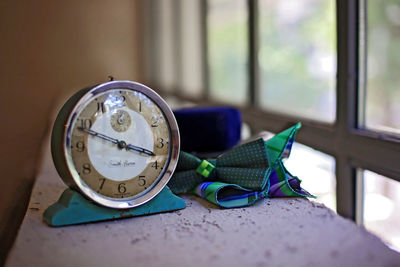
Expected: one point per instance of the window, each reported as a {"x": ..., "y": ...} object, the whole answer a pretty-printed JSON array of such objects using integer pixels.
[
  {"x": 382, "y": 84},
  {"x": 332, "y": 65},
  {"x": 381, "y": 207},
  {"x": 227, "y": 47},
  {"x": 297, "y": 57}
]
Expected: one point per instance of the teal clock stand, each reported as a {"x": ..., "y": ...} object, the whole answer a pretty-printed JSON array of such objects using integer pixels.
[{"x": 73, "y": 208}]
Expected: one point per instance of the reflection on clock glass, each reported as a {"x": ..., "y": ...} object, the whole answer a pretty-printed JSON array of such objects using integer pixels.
[{"x": 120, "y": 143}]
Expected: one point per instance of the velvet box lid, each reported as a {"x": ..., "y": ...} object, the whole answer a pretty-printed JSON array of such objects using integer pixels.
[{"x": 208, "y": 129}]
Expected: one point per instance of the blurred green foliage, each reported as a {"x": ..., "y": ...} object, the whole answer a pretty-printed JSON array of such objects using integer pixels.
[
  {"x": 228, "y": 50},
  {"x": 297, "y": 58},
  {"x": 383, "y": 61}
]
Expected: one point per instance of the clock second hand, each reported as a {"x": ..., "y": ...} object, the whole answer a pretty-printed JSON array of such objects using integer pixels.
[{"x": 121, "y": 144}]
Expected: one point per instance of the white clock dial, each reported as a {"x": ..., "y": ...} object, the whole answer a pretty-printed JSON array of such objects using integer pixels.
[{"x": 120, "y": 164}]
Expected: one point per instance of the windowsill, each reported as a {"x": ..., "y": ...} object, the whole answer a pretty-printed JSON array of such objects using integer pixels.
[{"x": 273, "y": 232}]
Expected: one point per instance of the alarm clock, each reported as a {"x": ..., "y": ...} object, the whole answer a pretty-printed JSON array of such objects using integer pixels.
[{"x": 117, "y": 143}]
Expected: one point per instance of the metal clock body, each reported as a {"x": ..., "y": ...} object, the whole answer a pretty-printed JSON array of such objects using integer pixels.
[{"x": 117, "y": 143}]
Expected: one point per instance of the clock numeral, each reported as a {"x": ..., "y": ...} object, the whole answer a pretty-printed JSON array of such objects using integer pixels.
[
  {"x": 142, "y": 180},
  {"x": 100, "y": 107},
  {"x": 80, "y": 146},
  {"x": 154, "y": 121},
  {"x": 155, "y": 165},
  {"x": 117, "y": 100},
  {"x": 160, "y": 142},
  {"x": 140, "y": 106},
  {"x": 102, "y": 181},
  {"x": 86, "y": 168},
  {"x": 120, "y": 98},
  {"x": 121, "y": 188},
  {"x": 86, "y": 123}
]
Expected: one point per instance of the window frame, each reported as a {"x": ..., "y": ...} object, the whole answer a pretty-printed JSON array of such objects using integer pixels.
[{"x": 352, "y": 146}]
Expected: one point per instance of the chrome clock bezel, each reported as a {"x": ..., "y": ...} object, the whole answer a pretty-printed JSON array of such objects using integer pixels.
[{"x": 174, "y": 145}]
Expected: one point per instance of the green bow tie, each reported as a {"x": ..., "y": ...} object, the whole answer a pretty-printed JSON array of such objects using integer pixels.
[
  {"x": 245, "y": 166},
  {"x": 248, "y": 166}
]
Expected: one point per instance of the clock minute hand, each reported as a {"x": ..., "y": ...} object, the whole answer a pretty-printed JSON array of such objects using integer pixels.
[
  {"x": 102, "y": 136},
  {"x": 121, "y": 144}
]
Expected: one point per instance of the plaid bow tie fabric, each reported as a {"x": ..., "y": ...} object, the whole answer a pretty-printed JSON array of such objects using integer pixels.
[{"x": 242, "y": 175}]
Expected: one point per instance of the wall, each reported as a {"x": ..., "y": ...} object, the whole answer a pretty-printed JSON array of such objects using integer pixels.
[{"x": 49, "y": 49}]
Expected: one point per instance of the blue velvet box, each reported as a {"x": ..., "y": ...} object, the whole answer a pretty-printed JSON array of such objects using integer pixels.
[{"x": 208, "y": 129}]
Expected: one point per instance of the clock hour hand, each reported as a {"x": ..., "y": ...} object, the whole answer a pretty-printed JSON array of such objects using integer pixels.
[
  {"x": 121, "y": 144},
  {"x": 139, "y": 149}
]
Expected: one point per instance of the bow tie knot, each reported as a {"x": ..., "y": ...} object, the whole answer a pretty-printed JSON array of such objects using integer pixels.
[{"x": 206, "y": 168}]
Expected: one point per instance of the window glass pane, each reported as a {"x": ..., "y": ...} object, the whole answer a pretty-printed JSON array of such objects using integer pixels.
[
  {"x": 382, "y": 207},
  {"x": 228, "y": 50},
  {"x": 317, "y": 172},
  {"x": 192, "y": 82},
  {"x": 382, "y": 105},
  {"x": 297, "y": 57}
]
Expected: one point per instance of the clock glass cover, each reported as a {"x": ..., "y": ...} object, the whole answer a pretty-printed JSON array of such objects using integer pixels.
[{"x": 121, "y": 144}]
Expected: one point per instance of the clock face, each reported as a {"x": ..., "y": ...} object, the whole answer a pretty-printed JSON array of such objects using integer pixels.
[{"x": 118, "y": 144}]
